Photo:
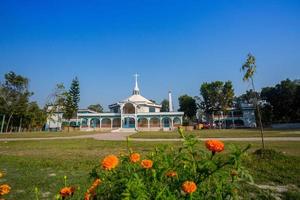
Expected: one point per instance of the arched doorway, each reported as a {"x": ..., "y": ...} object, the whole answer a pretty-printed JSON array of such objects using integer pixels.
[
  {"x": 128, "y": 122},
  {"x": 143, "y": 123},
  {"x": 117, "y": 123},
  {"x": 84, "y": 122},
  {"x": 106, "y": 123},
  {"x": 154, "y": 122},
  {"x": 166, "y": 122},
  {"x": 95, "y": 122},
  {"x": 176, "y": 122},
  {"x": 129, "y": 108}
]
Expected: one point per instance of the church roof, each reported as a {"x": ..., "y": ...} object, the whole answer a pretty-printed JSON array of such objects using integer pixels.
[{"x": 137, "y": 98}]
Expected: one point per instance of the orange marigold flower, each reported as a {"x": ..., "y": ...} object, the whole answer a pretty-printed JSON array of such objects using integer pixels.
[
  {"x": 135, "y": 157},
  {"x": 147, "y": 164},
  {"x": 4, "y": 189},
  {"x": 110, "y": 162},
  {"x": 189, "y": 187},
  {"x": 214, "y": 145},
  {"x": 171, "y": 174},
  {"x": 67, "y": 191}
]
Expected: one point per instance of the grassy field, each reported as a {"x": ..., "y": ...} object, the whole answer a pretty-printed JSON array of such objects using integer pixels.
[
  {"x": 43, "y": 164},
  {"x": 219, "y": 133},
  {"x": 45, "y": 134}
]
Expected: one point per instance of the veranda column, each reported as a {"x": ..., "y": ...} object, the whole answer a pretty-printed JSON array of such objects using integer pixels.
[
  {"x": 172, "y": 123},
  {"x": 148, "y": 123},
  {"x": 111, "y": 123},
  {"x": 233, "y": 125},
  {"x": 160, "y": 123},
  {"x": 100, "y": 122},
  {"x": 88, "y": 122}
]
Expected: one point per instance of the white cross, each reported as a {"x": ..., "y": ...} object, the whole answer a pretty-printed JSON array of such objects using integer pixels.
[{"x": 136, "y": 75}]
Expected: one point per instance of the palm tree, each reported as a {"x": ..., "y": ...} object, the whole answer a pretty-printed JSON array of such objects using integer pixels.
[{"x": 249, "y": 67}]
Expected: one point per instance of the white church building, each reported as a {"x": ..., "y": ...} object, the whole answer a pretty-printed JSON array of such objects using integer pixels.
[{"x": 134, "y": 113}]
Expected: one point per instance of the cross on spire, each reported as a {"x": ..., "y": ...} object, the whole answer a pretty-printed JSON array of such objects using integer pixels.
[{"x": 136, "y": 89}]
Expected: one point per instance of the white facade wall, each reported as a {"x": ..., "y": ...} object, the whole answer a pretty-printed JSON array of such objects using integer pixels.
[{"x": 249, "y": 118}]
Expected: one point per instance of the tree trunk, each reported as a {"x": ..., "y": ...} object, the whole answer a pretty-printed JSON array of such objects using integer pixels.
[
  {"x": 20, "y": 125},
  {"x": 7, "y": 125},
  {"x": 259, "y": 116},
  {"x": 2, "y": 124}
]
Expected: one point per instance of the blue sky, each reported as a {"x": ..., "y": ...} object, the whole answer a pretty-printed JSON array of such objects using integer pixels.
[{"x": 173, "y": 45}]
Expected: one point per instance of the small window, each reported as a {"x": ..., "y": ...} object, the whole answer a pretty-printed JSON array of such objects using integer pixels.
[{"x": 151, "y": 109}]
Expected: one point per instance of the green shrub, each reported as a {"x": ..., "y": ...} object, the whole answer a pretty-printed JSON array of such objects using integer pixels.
[{"x": 210, "y": 174}]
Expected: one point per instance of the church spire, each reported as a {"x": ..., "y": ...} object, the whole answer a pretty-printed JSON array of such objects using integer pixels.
[{"x": 136, "y": 89}]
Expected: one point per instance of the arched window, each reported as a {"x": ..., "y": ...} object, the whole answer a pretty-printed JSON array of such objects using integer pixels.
[
  {"x": 176, "y": 122},
  {"x": 106, "y": 123},
  {"x": 95, "y": 122},
  {"x": 117, "y": 123},
  {"x": 154, "y": 122},
  {"x": 128, "y": 108},
  {"x": 143, "y": 122}
]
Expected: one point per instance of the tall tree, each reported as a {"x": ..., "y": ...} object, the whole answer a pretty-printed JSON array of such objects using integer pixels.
[
  {"x": 69, "y": 109},
  {"x": 164, "y": 106},
  {"x": 71, "y": 102},
  {"x": 284, "y": 98},
  {"x": 187, "y": 104},
  {"x": 96, "y": 107},
  {"x": 14, "y": 95},
  {"x": 249, "y": 68},
  {"x": 75, "y": 93},
  {"x": 216, "y": 96}
]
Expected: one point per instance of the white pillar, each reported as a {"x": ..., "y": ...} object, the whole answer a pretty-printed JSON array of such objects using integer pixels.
[
  {"x": 148, "y": 119},
  {"x": 170, "y": 102},
  {"x": 100, "y": 123},
  {"x": 88, "y": 122},
  {"x": 172, "y": 122},
  {"x": 111, "y": 123},
  {"x": 160, "y": 122}
]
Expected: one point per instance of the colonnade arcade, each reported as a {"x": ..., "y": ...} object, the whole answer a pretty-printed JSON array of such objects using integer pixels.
[{"x": 131, "y": 122}]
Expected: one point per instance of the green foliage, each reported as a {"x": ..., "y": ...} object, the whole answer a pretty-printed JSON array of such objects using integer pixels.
[
  {"x": 216, "y": 96},
  {"x": 249, "y": 67},
  {"x": 96, "y": 107},
  {"x": 75, "y": 93},
  {"x": 165, "y": 106},
  {"x": 72, "y": 99},
  {"x": 284, "y": 99},
  {"x": 212, "y": 173},
  {"x": 187, "y": 104},
  {"x": 15, "y": 105}
]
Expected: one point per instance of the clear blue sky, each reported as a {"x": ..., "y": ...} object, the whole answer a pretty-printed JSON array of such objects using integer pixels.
[{"x": 173, "y": 45}]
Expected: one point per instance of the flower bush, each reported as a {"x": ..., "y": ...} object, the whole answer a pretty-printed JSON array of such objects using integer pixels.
[
  {"x": 187, "y": 172},
  {"x": 4, "y": 188}
]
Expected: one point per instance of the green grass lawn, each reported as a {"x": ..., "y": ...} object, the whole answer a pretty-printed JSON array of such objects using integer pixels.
[
  {"x": 219, "y": 133},
  {"x": 46, "y": 134},
  {"x": 43, "y": 164}
]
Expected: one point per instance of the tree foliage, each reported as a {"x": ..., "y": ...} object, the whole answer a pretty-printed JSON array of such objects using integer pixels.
[
  {"x": 72, "y": 99},
  {"x": 187, "y": 104},
  {"x": 284, "y": 99},
  {"x": 15, "y": 104},
  {"x": 96, "y": 107},
  {"x": 75, "y": 93},
  {"x": 216, "y": 96},
  {"x": 165, "y": 106}
]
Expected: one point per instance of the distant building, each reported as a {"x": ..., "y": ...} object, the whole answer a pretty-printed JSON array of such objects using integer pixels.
[{"x": 242, "y": 115}]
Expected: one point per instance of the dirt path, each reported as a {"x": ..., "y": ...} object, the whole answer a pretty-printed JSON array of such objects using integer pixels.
[{"x": 122, "y": 137}]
